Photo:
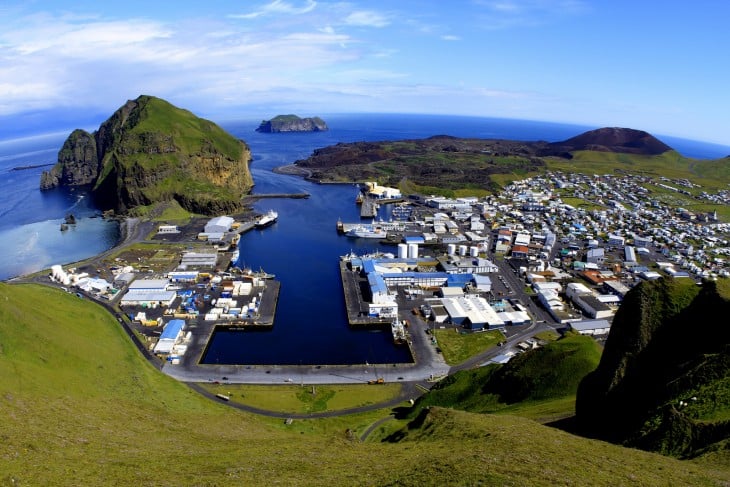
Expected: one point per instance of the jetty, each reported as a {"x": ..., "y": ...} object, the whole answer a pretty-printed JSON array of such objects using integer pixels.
[
  {"x": 369, "y": 208},
  {"x": 252, "y": 198},
  {"x": 357, "y": 309}
]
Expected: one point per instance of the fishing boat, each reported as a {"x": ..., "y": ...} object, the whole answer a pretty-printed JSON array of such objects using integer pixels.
[
  {"x": 266, "y": 220},
  {"x": 398, "y": 329}
]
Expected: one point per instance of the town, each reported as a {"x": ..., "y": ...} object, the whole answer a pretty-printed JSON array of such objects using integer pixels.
[{"x": 559, "y": 250}]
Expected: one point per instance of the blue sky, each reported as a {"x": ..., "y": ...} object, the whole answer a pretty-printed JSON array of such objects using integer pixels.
[{"x": 656, "y": 66}]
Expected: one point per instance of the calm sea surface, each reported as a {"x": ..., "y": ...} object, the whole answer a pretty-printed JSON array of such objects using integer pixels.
[{"x": 302, "y": 248}]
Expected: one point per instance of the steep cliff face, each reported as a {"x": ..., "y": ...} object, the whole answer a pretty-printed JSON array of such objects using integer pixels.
[
  {"x": 150, "y": 151},
  {"x": 78, "y": 163},
  {"x": 663, "y": 383},
  {"x": 292, "y": 123}
]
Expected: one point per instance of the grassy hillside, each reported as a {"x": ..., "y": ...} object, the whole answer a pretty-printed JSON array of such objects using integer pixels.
[
  {"x": 80, "y": 406},
  {"x": 541, "y": 383}
]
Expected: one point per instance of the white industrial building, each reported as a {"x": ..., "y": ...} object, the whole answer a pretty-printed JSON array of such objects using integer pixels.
[
  {"x": 472, "y": 312},
  {"x": 148, "y": 292},
  {"x": 198, "y": 259},
  {"x": 586, "y": 300},
  {"x": 591, "y": 327},
  {"x": 167, "y": 229},
  {"x": 219, "y": 224}
]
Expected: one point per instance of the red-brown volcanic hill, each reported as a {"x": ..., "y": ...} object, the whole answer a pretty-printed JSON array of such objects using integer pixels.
[{"x": 612, "y": 139}]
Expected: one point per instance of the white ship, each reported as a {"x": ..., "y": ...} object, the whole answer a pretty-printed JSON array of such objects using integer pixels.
[
  {"x": 268, "y": 219},
  {"x": 366, "y": 231}
]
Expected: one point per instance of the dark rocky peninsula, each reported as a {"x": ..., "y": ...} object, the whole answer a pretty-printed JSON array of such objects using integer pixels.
[
  {"x": 451, "y": 163},
  {"x": 292, "y": 123},
  {"x": 150, "y": 151}
]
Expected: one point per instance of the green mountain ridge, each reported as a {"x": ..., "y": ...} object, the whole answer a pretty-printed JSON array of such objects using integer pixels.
[
  {"x": 150, "y": 151},
  {"x": 663, "y": 383}
]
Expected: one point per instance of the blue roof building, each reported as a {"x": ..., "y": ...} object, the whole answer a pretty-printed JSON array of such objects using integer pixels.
[{"x": 170, "y": 334}]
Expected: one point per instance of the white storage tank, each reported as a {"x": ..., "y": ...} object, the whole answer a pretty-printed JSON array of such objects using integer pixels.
[
  {"x": 402, "y": 251},
  {"x": 474, "y": 251},
  {"x": 412, "y": 251},
  {"x": 463, "y": 250},
  {"x": 451, "y": 249}
]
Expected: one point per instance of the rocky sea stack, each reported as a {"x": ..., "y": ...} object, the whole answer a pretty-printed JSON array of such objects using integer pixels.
[
  {"x": 150, "y": 151},
  {"x": 292, "y": 123}
]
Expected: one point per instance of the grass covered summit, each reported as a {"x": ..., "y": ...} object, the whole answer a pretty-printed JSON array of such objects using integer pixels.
[{"x": 150, "y": 151}]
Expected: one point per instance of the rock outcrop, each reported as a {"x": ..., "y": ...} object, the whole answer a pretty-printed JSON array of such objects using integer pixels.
[
  {"x": 150, "y": 151},
  {"x": 292, "y": 123}
]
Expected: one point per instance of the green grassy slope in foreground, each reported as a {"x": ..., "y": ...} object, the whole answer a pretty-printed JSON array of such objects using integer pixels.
[
  {"x": 81, "y": 407},
  {"x": 550, "y": 373}
]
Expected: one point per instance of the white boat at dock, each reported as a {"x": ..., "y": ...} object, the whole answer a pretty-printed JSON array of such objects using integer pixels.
[
  {"x": 268, "y": 219},
  {"x": 367, "y": 231}
]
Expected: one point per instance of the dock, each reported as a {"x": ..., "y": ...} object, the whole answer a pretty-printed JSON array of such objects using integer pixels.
[
  {"x": 369, "y": 208},
  {"x": 357, "y": 309}
]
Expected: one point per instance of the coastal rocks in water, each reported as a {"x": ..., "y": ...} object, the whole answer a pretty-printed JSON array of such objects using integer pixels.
[
  {"x": 150, "y": 151},
  {"x": 292, "y": 123}
]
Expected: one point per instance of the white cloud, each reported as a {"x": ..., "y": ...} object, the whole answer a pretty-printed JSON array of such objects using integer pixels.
[
  {"x": 48, "y": 61},
  {"x": 450, "y": 38},
  {"x": 277, "y": 7},
  {"x": 367, "y": 18}
]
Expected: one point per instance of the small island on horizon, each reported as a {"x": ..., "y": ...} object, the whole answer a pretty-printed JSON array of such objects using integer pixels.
[{"x": 292, "y": 123}]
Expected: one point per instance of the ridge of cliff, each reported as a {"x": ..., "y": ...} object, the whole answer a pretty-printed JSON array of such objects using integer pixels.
[
  {"x": 150, "y": 151},
  {"x": 663, "y": 382}
]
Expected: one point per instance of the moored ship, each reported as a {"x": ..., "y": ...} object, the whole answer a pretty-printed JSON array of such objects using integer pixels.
[
  {"x": 366, "y": 231},
  {"x": 268, "y": 219},
  {"x": 398, "y": 329}
]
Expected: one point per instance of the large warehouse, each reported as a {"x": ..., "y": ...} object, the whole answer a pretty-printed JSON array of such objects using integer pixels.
[{"x": 472, "y": 312}]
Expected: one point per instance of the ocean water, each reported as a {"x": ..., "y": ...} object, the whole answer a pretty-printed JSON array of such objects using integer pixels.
[{"x": 302, "y": 248}]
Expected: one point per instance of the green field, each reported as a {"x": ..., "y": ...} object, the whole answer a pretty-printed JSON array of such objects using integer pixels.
[
  {"x": 81, "y": 406},
  {"x": 295, "y": 398},
  {"x": 458, "y": 345}
]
